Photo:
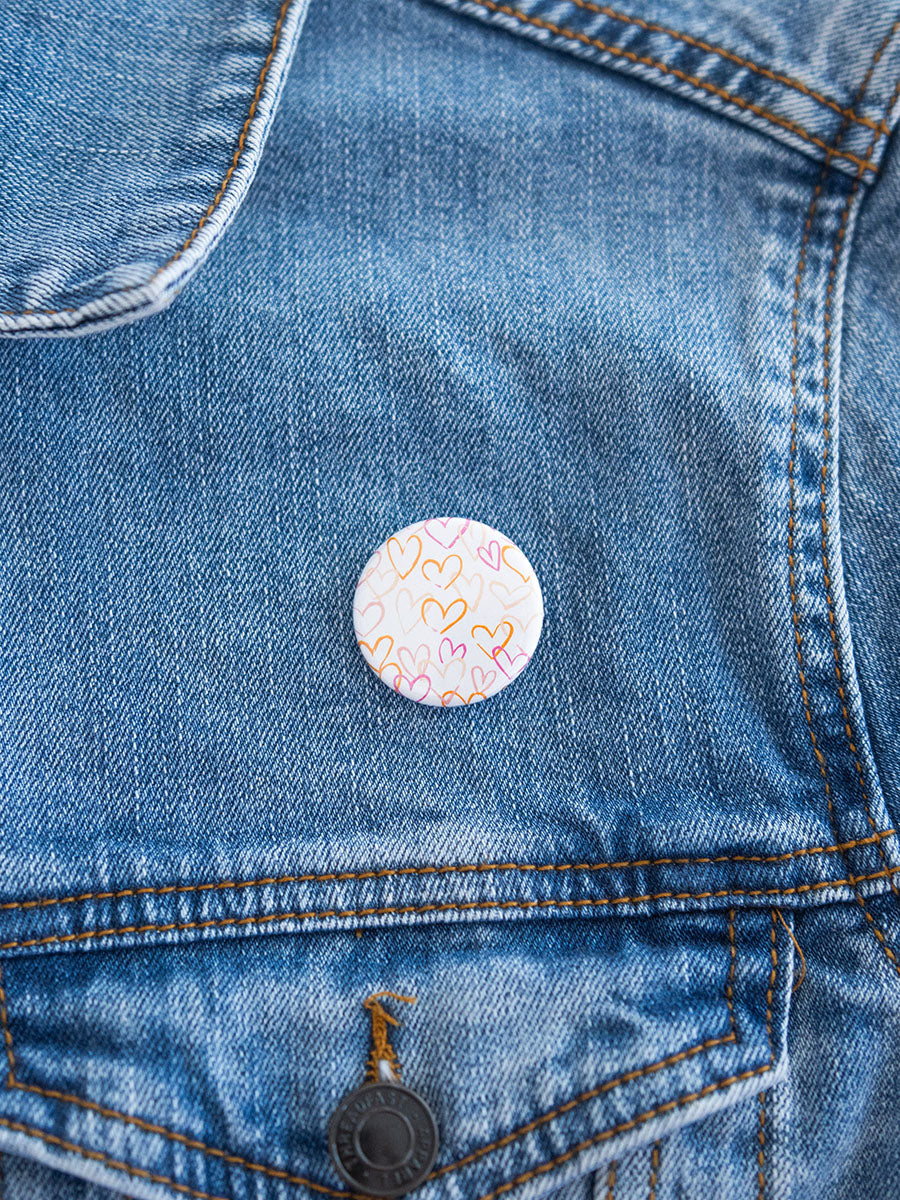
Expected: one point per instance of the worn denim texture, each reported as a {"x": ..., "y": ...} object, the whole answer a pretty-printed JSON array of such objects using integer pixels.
[{"x": 621, "y": 285}]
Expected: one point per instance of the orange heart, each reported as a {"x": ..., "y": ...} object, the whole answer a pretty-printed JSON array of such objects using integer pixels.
[
  {"x": 404, "y": 556},
  {"x": 493, "y": 644},
  {"x": 373, "y": 649},
  {"x": 439, "y": 569},
  {"x": 455, "y": 605},
  {"x": 510, "y": 597},
  {"x": 512, "y": 566},
  {"x": 447, "y": 696}
]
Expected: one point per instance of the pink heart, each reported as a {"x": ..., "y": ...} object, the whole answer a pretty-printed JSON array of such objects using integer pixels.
[
  {"x": 368, "y": 617},
  {"x": 446, "y": 531},
  {"x": 416, "y": 689},
  {"x": 490, "y": 555},
  {"x": 510, "y": 669},
  {"x": 448, "y": 650}
]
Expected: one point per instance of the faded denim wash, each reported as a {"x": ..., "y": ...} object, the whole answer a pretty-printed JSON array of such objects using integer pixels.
[{"x": 278, "y": 280}]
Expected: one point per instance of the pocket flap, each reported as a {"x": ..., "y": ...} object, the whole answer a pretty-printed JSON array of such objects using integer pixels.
[
  {"x": 544, "y": 1046},
  {"x": 135, "y": 132}
]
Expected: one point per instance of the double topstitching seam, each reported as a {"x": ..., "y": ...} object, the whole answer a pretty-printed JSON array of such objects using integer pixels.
[
  {"x": 609, "y": 1085},
  {"x": 729, "y": 56},
  {"x": 442, "y": 869},
  {"x": 454, "y": 906},
  {"x": 653, "y": 1181},
  {"x": 761, "y": 1150},
  {"x": 217, "y": 198},
  {"x": 694, "y": 81},
  {"x": 660, "y": 1109},
  {"x": 826, "y": 418},
  {"x": 795, "y": 613},
  {"x": 665, "y": 69},
  {"x": 761, "y": 1133}
]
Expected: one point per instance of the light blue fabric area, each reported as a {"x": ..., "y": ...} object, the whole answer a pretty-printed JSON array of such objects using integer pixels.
[
  {"x": 26, "y": 1179},
  {"x": 789, "y": 71},
  {"x": 434, "y": 301}
]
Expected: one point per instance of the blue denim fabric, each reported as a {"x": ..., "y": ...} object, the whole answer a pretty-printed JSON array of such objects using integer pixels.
[{"x": 629, "y": 295}]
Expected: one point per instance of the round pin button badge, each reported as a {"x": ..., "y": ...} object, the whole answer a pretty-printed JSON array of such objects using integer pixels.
[{"x": 448, "y": 612}]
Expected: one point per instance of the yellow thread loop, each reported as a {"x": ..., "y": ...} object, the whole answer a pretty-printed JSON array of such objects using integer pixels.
[
  {"x": 800, "y": 954},
  {"x": 382, "y": 1050}
]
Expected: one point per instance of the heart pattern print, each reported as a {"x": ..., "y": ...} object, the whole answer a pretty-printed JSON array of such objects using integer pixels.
[{"x": 448, "y": 612}]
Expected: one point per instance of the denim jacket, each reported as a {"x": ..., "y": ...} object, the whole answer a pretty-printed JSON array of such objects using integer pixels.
[{"x": 279, "y": 279}]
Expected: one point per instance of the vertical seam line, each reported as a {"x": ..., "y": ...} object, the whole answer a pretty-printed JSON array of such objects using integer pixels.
[
  {"x": 761, "y": 1152},
  {"x": 654, "y": 1170},
  {"x": 795, "y": 337},
  {"x": 826, "y": 429}
]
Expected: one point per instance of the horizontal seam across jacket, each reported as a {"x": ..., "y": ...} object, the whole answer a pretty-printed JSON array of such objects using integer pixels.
[
  {"x": 440, "y": 869},
  {"x": 694, "y": 81},
  {"x": 59, "y": 939}
]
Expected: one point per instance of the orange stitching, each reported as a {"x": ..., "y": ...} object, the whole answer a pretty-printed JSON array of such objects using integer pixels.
[
  {"x": 697, "y": 43},
  {"x": 216, "y": 200},
  {"x": 693, "y": 80},
  {"x": 761, "y": 1153},
  {"x": 842, "y": 229},
  {"x": 771, "y": 988},
  {"x": 795, "y": 336},
  {"x": 774, "y": 957},
  {"x": 592, "y": 1094},
  {"x": 382, "y": 1050},
  {"x": 654, "y": 1170},
  {"x": 237, "y": 1160},
  {"x": 7, "y": 1036},
  {"x": 521, "y": 1132},
  {"x": 448, "y": 869},
  {"x": 149, "y": 1127},
  {"x": 465, "y": 906},
  {"x": 182, "y": 1140},
  {"x": 611, "y": 1182},
  {"x": 729, "y": 984},
  {"x": 826, "y": 417},
  {"x": 640, "y": 1119},
  {"x": 114, "y": 1163}
]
